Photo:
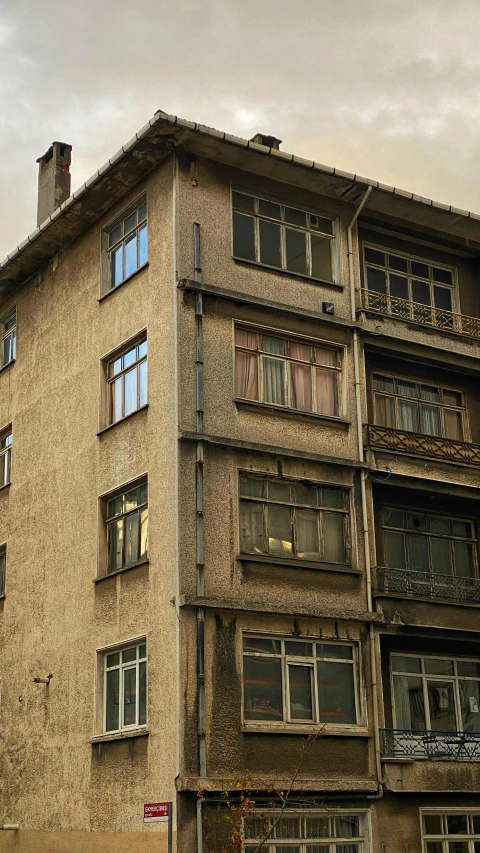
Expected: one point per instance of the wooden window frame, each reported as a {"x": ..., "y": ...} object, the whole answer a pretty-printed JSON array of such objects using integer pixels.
[
  {"x": 6, "y": 455},
  {"x": 444, "y": 837},
  {"x": 3, "y": 568},
  {"x": 8, "y": 334},
  {"x": 268, "y": 821},
  {"x": 105, "y": 520},
  {"x": 109, "y": 246},
  {"x": 107, "y": 381}
]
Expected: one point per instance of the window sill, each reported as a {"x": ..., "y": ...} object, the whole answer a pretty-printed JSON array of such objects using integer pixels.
[
  {"x": 286, "y": 273},
  {"x": 315, "y": 729},
  {"x": 6, "y": 486},
  {"x": 125, "y": 281},
  {"x": 7, "y": 365},
  {"x": 110, "y": 426},
  {"x": 105, "y": 738},
  {"x": 296, "y": 564},
  {"x": 121, "y": 571},
  {"x": 332, "y": 420}
]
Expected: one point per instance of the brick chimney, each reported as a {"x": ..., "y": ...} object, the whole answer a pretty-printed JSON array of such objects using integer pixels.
[
  {"x": 269, "y": 141},
  {"x": 53, "y": 179}
]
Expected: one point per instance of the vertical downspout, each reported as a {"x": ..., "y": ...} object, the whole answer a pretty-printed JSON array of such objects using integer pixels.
[
  {"x": 200, "y": 551},
  {"x": 365, "y": 526}
]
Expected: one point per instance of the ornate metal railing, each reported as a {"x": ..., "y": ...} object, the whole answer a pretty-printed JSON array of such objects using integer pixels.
[
  {"x": 425, "y": 585},
  {"x": 415, "y": 312},
  {"x": 457, "y": 746},
  {"x": 431, "y": 446}
]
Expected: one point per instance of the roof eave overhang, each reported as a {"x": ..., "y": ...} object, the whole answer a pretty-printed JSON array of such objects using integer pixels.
[{"x": 151, "y": 145}]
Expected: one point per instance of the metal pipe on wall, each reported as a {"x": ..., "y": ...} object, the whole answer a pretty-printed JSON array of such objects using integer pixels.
[{"x": 363, "y": 492}]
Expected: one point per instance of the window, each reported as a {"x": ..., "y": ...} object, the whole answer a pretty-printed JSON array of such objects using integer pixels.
[
  {"x": 127, "y": 527},
  {"x": 451, "y": 832},
  {"x": 127, "y": 381},
  {"x": 125, "y": 688},
  {"x": 8, "y": 331},
  {"x": 419, "y": 407},
  {"x": 310, "y": 832},
  {"x": 3, "y": 568},
  {"x": 299, "y": 681},
  {"x": 282, "y": 237},
  {"x": 127, "y": 244},
  {"x": 295, "y": 519},
  {"x": 425, "y": 542},
  {"x": 295, "y": 374},
  {"x": 402, "y": 279},
  {"x": 5, "y": 456},
  {"x": 436, "y": 693}
]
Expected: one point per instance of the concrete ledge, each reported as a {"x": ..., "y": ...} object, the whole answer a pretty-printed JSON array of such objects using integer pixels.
[
  {"x": 279, "y": 609},
  {"x": 267, "y": 783}
]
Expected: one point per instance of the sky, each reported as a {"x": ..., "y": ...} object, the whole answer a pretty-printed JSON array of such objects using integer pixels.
[{"x": 389, "y": 90}]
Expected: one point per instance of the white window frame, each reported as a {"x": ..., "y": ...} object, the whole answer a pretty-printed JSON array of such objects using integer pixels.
[
  {"x": 107, "y": 250},
  {"x": 10, "y": 333},
  {"x": 288, "y": 660},
  {"x": 111, "y": 378},
  {"x": 444, "y": 838},
  {"x": 309, "y": 211},
  {"x": 275, "y": 845},
  {"x": 3, "y": 568},
  {"x": 102, "y": 670},
  {"x": 6, "y": 456}
]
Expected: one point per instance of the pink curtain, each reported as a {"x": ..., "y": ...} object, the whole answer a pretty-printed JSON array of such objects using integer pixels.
[
  {"x": 326, "y": 391},
  {"x": 246, "y": 365},
  {"x": 327, "y": 357},
  {"x": 301, "y": 376}
]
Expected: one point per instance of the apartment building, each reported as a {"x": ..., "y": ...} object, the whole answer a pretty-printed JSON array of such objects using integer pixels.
[{"x": 248, "y": 583}]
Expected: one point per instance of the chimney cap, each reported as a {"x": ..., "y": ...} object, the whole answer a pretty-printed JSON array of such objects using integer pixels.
[
  {"x": 266, "y": 139},
  {"x": 59, "y": 147}
]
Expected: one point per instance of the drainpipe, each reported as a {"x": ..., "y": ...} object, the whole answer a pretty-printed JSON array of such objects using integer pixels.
[
  {"x": 361, "y": 456},
  {"x": 200, "y": 551}
]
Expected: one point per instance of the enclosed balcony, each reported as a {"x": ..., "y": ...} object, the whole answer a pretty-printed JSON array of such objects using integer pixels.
[
  {"x": 436, "y": 587},
  {"x": 424, "y": 315},
  {"x": 433, "y": 745}
]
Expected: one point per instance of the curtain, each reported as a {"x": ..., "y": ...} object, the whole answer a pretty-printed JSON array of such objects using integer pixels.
[
  {"x": 407, "y": 416},
  {"x": 453, "y": 425},
  {"x": 408, "y": 698},
  {"x": 326, "y": 391},
  {"x": 273, "y": 380},
  {"x": 430, "y": 420},
  {"x": 334, "y": 550},
  {"x": 301, "y": 377},
  {"x": 385, "y": 411},
  {"x": 246, "y": 365}
]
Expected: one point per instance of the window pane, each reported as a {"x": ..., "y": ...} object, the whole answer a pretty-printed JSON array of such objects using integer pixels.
[
  {"x": 295, "y": 217},
  {"x": 143, "y": 383},
  {"x": 278, "y": 490},
  {"x": 296, "y": 250},
  {"x": 262, "y": 644},
  {"x": 279, "y": 528},
  {"x": 130, "y": 222},
  {"x": 129, "y": 357},
  {"x": 469, "y": 705},
  {"x": 269, "y": 208},
  {"x": 453, "y": 425},
  {"x": 334, "y": 550},
  {"x": 294, "y": 647},
  {"x": 398, "y": 287},
  {"x": 243, "y": 202},
  {"x": 394, "y": 550},
  {"x": 321, "y": 258},
  {"x": 251, "y": 528},
  {"x": 407, "y": 416},
  {"x": 417, "y": 552},
  {"x": 321, "y": 224},
  {"x": 270, "y": 244},
  {"x": 143, "y": 533},
  {"x": 326, "y": 392},
  {"x": 385, "y": 411},
  {"x": 131, "y": 538},
  {"x": 117, "y": 399},
  {"x": 436, "y": 524},
  {"x": 129, "y": 655},
  {"x": 374, "y": 256},
  {"x": 301, "y": 387},
  {"x": 394, "y": 518},
  {"x": 7, "y": 350},
  {"x": 430, "y": 423},
  {"x": 434, "y": 847},
  {"x": 463, "y": 552},
  {"x": 326, "y": 357},
  {"x": 130, "y": 255},
  {"x": 438, "y": 666},
  {"x": 395, "y": 262},
  {"x": 421, "y": 292},
  {"x": 113, "y": 659},
  {"x": 129, "y": 697},
  {"x": 112, "y": 701},
  {"x": 305, "y": 494},
  {"x": 300, "y": 687},
  {"x": 432, "y": 824},
  {"x": 275, "y": 346},
  {"x": 288, "y": 827},
  {"x": 317, "y": 827},
  {"x": 142, "y": 711},
  {"x": 444, "y": 276},
  {"x": 458, "y": 847},
  {"x": 116, "y": 266},
  {"x": 406, "y": 663},
  {"x": 408, "y": 703},
  {"x": 262, "y": 682},
  {"x": 142, "y": 212},
  {"x": 469, "y": 668},
  {"x": 142, "y": 651},
  {"x": 252, "y": 486},
  {"x": 456, "y": 824},
  {"x": 307, "y": 544},
  {"x": 443, "y": 299},
  {"x": 246, "y": 375},
  {"x": 376, "y": 280},
  {"x": 115, "y": 235},
  {"x": 273, "y": 380},
  {"x": 333, "y": 498},
  {"x": 334, "y": 650},
  {"x": 131, "y": 391},
  {"x": 420, "y": 269},
  {"x": 142, "y": 246},
  {"x": 244, "y": 236},
  {"x": 115, "y": 544},
  {"x": 384, "y": 383},
  {"x": 336, "y": 692},
  {"x": 347, "y": 827},
  {"x": 441, "y": 553},
  {"x": 442, "y": 706}
]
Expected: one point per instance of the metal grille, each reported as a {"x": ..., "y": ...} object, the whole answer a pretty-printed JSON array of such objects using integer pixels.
[
  {"x": 425, "y": 585},
  {"x": 431, "y": 446},
  {"x": 457, "y": 746},
  {"x": 427, "y": 315}
]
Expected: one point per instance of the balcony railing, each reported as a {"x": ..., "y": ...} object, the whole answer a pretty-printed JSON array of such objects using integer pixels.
[
  {"x": 425, "y": 585},
  {"x": 456, "y": 746},
  {"x": 431, "y": 446},
  {"x": 415, "y": 312}
]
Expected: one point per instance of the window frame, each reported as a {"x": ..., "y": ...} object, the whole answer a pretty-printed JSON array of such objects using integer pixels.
[
  {"x": 443, "y": 837},
  {"x": 275, "y": 845},
  {"x": 107, "y": 250},
  {"x": 454, "y": 289},
  {"x": 291, "y": 338},
  {"x": 101, "y": 688},
  {"x": 306, "y": 209},
  {"x": 463, "y": 409},
  {"x": 287, "y": 659},
  {"x": 347, "y": 512},
  {"x": 104, "y": 543},
  {"x": 11, "y": 333},
  {"x": 3, "y": 568},
  {"x": 425, "y": 677},
  {"x": 107, "y": 382},
  {"x": 6, "y": 456}
]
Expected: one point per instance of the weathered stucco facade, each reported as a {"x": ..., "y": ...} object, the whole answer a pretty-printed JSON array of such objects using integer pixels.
[{"x": 402, "y": 588}]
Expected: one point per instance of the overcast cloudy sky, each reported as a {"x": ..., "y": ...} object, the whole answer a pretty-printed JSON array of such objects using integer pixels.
[{"x": 387, "y": 89}]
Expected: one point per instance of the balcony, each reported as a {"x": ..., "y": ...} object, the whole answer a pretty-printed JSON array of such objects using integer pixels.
[
  {"x": 424, "y": 585},
  {"x": 425, "y": 315},
  {"x": 426, "y": 446},
  {"x": 456, "y": 746}
]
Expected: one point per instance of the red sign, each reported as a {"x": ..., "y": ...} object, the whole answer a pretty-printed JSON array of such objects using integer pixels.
[{"x": 155, "y": 812}]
